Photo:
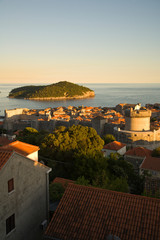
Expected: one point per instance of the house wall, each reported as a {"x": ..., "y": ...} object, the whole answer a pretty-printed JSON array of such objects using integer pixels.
[
  {"x": 107, "y": 152},
  {"x": 122, "y": 150},
  {"x": 135, "y": 161},
  {"x": 151, "y": 172},
  {"x": 33, "y": 156},
  {"x": 28, "y": 201}
]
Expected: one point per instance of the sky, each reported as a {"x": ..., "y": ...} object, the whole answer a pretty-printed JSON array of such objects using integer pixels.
[{"x": 82, "y": 41}]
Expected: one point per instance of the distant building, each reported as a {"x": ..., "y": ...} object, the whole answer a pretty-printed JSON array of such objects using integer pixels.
[
  {"x": 136, "y": 156},
  {"x": 137, "y": 128},
  {"x": 98, "y": 124},
  {"x": 24, "y": 196},
  {"x": 95, "y": 214},
  {"x": 152, "y": 165},
  {"x": 114, "y": 147}
]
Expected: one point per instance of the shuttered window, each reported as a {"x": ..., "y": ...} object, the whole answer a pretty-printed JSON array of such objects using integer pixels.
[{"x": 11, "y": 185}]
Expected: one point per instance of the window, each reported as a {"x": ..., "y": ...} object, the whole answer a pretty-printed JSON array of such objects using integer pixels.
[
  {"x": 10, "y": 223},
  {"x": 10, "y": 185}
]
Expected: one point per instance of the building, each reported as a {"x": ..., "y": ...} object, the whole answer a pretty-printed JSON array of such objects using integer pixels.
[
  {"x": 114, "y": 147},
  {"x": 97, "y": 214},
  {"x": 137, "y": 128},
  {"x": 24, "y": 199},
  {"x": 98, "y": 124},
  {"x": 136, "y": 156},
  {"x": 151, "y": 165},
  {"x": 25, "y": 149}
]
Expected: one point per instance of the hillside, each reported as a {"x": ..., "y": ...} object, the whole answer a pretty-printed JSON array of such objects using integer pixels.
[{"x": 60, "y": 90}]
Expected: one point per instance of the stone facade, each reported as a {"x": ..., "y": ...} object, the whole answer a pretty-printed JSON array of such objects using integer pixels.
[
  {"x": 28, "y": 202},
  {"x": 137, "y": 129},
  {"x": 137, "y": 120}
]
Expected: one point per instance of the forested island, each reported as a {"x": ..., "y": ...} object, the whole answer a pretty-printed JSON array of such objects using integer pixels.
[{"x": 60, "y": 90}]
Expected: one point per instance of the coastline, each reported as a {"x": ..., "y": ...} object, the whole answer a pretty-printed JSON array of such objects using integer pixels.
[{"x": 89, "y": 94}]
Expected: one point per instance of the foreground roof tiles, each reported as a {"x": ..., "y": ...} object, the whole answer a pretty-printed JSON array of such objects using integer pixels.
[
  {"x": 139, "y": 151},
  {"x": 4, "y": 156},
  {"x": 114, "y": 146},
  {"x": 87, "y": 213},
  {"x": 22, "y": 148}
]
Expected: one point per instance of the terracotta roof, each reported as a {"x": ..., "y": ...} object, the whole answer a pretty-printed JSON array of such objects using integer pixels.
[
  {"x": 139, "y": 151},
  {"x": 151, "y": 163},
  {"x": 4, "y": 141},
  {"x": 63, "y": 181},
  {"x": 94, "y": 214},
  {"x": 4, "y": 156},
  {"x": 22, "y": 148},
  {"x": 114, "y": 146}
]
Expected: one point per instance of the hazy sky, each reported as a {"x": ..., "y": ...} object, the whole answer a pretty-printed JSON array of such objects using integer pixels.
[{"x": 83, "y": 41}]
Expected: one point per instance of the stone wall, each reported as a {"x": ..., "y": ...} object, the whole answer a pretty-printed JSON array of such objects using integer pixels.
[{"x": 28, "y": 201}]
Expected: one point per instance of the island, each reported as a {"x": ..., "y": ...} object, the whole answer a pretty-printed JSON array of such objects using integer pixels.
[{"x": 57, "y": 91}]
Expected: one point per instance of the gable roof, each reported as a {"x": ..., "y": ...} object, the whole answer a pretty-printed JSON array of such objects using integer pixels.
[
  {"x": 94, "y": 214},
  {"x": 139, "y": 151},
  {"x": 115, "y": 145},
  {"x": 4, "y": 156},
  {"x": 151, "y": 163},
  {"x": 22, "y": 148}
]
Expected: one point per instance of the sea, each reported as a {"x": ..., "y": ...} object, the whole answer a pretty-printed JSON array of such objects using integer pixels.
[{"x": 106, "y": 95}]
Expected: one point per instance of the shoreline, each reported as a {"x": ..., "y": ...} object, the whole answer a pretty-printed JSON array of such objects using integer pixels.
[{"x": 90, "y": 94}]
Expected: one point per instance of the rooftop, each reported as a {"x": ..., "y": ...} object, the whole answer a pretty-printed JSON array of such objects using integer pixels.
[
  {"x": 95, "y": 214},
  {"x": 22, "y": 148},
  {"x": 151, "y": 163},
  {"x": 115, "y": 145},
  {"x": 63, "y": 181},
  {"x": 4, "y": 156},
  {"x": 139, "y": 151}
]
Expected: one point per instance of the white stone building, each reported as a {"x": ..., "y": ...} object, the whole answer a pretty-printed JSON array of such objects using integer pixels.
[{"x": 24, "y": 197}]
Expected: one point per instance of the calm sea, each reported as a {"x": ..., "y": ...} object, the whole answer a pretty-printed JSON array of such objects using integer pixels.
[{"x": 108, "y": 95}]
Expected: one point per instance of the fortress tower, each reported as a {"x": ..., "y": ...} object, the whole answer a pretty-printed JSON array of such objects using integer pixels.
[
  {"x": 137, "y": 119},
  {"x": 137, "y": 128}
]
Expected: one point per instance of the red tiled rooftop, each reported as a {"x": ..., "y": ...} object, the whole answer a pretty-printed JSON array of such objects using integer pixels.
[
  {"x": 22, "y": 148},
  {"x": 151, "y": 163},
  {"x": 63, "y": 181},
  {"x": 92, "y": 214},
  {"x": 114, "y": 146},
  {"x": 4, "y": 141},
  {"x": 139, "y": 151},
  {"x": 4, "y": 156}
]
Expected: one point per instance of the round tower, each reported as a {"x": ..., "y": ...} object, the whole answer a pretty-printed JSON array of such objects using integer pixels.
[{"x": 137, "y": 119}]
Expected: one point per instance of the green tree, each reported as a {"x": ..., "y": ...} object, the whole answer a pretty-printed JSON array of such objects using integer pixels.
[
  {"x": 108, "y": 138},
  {"x": 78, "y": 146},
  {"x": 82, "y": 181},
  {"x": 156, "y": 152},
  {"x": 56, "y": 191}
]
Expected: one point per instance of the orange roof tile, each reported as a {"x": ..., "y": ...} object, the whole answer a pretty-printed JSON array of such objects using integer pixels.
[
  {"x": 4, "y": 156},
  {"x": 139, "y": 151},
  {"x": 151, "y": 163},
  {"x": 22, "y": 148},
  {"x": 63, "y": 181},
  {"x": 93, "y": 214},
  {"x": 115, "y": 145}
]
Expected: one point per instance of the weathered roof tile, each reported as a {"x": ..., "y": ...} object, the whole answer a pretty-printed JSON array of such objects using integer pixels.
[{"x": 91, "y": 213}]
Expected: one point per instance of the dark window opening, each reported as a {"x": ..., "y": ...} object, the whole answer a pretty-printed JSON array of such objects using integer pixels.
[{"x": 10, "y": 223}]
